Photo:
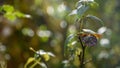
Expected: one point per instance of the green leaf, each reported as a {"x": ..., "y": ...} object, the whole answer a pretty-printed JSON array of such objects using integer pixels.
[
  {"x": 67, "y": 41},
  {"x": 84, "y": 2},
  {"x": 78, "y": 51},
  {"x": 81, "y": 10},
  {"x": 10, "y": 16},
  {"x": 43, "y": 65},
  {"x": 46, "y": 57},
  {"x": 8, "y": 8},
  {"x": 31, "y": 59},
  {"x": 10, "y": 12},
  {"x": 94, "y": 18},
  {"x": 36, "y": 61},
  {"x": 93, "y": 5},
  {"x": 73, "y": 12},
  {"x": 19, "y": 14}
]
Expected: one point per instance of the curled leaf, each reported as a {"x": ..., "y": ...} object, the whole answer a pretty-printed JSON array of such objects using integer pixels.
[{"x": 94, "y": 18}]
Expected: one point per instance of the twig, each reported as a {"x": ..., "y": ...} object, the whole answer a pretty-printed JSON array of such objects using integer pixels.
[{"x": 82, "y": 55}]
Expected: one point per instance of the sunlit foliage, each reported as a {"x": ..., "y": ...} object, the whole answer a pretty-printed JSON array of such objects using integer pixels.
[{"x": 46, "y": 24}]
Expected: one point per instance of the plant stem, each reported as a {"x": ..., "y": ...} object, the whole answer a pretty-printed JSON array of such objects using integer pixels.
[
  {"x": 82, "y": 58},
  {"x": 82, "y": 55}
]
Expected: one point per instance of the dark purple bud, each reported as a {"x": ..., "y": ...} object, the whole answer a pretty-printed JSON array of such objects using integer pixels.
[{"x": 89, "y": 40}]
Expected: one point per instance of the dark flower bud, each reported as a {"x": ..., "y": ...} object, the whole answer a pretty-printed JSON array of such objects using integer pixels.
[{"x": 89, "y": 40}]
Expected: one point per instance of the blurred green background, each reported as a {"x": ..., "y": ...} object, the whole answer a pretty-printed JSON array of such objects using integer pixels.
[{"x": 46, "y": 28}]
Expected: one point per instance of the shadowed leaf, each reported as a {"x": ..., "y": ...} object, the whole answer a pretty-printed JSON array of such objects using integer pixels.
[
  {"x": 94, "y": 18},
  {"x": 67, "y": 41},
  {"x": 81, "y": 10}
]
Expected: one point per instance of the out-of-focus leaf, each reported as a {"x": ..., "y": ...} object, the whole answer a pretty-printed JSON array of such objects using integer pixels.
[
  {"x": 83, "y": 6},
  {"x": 43, "y": 65},
  {"x": 50, "y": 54},
  {"x": 78, "y": 4},
  {"x": 43, "y": 27},
  {"x": 0, "y": 8},
  {"x": 93, "y": 5},
  {"x": 73, "y": 12},
  {"x": 46, "y": 57},
  {"x": 94, "y": 18},
  {"x": 38, "y": 2},
  {"x": 10, "y": 16},
  {"x": 10, "y": 13},
  {"x": 37, "y": 61},
  {"x": 84, "y": 2},
  {"x": 8, "y": 8},
  {"x": 44, "y": 39},
  {"x": 19, "y": 14},
  {"x": 31, "y": 59},
  {"x": 36, "y": 56},
  {"x": 102, "y": 30},
  {"x": 88, "y": 31},
  {"x": 78, "y": 51},
  {"x": 34, "y": 64},
  {"x": 81, "y": 10},
  {"x": 67, "y": 41}
]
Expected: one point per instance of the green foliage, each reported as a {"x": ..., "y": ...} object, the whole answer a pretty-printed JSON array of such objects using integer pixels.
[
  {"x": 10, "y": 13},
  {"x": 22, "y": 33},
  {"x": 8, "y": 8},
  {"x": 85, "y": 37},
  {"x": 71, "y": 47},
  {"x": 67, "y": 46},
  {"x": 81, "y": 10},
  {"x": 95, "y": 19},
  {"x": 40, "y": 58},
  {"x": 31, "y": 59},
  {"x": 82, "y": 7}
]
